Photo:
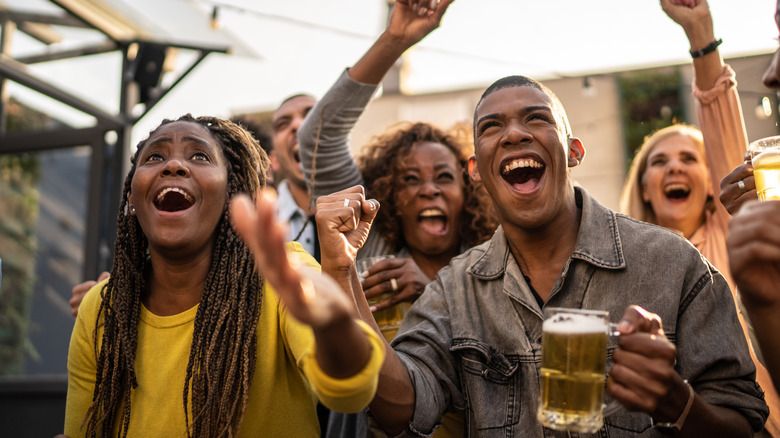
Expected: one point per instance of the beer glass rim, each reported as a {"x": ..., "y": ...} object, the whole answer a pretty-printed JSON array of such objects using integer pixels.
[
  {"x": 773, "y": 140},
  {"x": 549, "y": 311}
]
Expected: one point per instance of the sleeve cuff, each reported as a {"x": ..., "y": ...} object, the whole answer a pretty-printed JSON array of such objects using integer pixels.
[
  {"x": 726, "y": 80},
  {"x": 353, "y": 393}
]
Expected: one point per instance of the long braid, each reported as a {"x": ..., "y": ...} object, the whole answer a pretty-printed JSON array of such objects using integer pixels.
[{"x": 223, "y": 354}]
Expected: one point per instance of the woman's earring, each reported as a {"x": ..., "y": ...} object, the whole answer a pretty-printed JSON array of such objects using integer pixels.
[{"x": 132, "y": 210}]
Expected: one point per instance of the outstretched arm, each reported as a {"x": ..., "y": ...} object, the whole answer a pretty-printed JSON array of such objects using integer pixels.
[
  {"x": 695, "y": 19},
  {"x": 342, "y": 348},
  {"x": 718, "y": 108},
  {"x": 323, "y": 138},
  {"x": 410, "y": 22},
  {"x": 754, "y": 255},
  {"x": 343, "y": 221}
]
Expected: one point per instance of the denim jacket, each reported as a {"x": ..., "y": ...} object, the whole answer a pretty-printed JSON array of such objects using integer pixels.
[{"x": 473, "y": 339}]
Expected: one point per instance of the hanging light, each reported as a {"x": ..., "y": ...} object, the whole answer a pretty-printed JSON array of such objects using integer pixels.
[
  {"x": 588, "y": 90},
  {"x": 215, "y": 24}
]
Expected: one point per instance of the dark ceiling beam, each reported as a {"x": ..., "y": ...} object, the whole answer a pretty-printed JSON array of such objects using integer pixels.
[
  {"x": 16, "y": 71},
  {"x": 58, "y": 138},
  {"x": 41, "y": 32},
  {"x": 97, "y": 49},
  {"x": 31, "y": 17}
]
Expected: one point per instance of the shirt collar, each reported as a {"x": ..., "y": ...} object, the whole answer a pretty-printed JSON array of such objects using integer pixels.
[{"x": 286, "y": 208}]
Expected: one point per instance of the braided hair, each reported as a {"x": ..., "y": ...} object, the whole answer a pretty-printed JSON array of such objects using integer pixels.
[{"x": 224, "y": 341}]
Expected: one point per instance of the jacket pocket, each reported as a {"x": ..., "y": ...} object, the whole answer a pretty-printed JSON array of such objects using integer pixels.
[{"x": 490, "y": 386}]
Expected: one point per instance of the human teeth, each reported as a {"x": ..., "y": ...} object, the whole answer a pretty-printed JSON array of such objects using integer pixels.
[
  {"x": 517, "y": 164},
  {"x": 165, "y": 191},
  {"x": 431, "y": 212},
  {"x": 672, "y": 187}
]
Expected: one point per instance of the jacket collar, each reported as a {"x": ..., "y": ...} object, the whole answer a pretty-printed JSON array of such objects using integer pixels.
[{"x": 598, "y": 241}]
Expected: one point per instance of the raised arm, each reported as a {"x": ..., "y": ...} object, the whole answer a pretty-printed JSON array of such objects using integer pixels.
[
  {"x": 718, "y": 108},
  {"x": 326, "y": 128},
  {"x": 343, "y": 222}
]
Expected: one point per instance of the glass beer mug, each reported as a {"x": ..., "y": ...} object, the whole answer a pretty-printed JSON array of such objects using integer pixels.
[
  {"x": 574, "y": 361},
  {"x": 765, "y": 156}
]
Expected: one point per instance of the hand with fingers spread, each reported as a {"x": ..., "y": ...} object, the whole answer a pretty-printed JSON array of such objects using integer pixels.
[
  {"x": 738, "y": 186},
  {"x": 399, "y": 276},
  {"x": 80, "y": 290},
  {"x": 312, "y": 298}
]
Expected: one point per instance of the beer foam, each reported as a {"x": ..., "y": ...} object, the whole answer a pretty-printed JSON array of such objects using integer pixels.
[{"x": 574, "y": 323}]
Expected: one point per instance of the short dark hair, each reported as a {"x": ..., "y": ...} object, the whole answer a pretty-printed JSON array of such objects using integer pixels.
[{"x": 523, "y": 81}]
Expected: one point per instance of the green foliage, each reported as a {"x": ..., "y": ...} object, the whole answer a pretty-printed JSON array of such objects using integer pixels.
[
  {"x": 650, "y": 101},
  {"x": 19, "y": 175}
]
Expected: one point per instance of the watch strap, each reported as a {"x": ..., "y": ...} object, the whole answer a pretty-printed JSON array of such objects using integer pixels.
[{"x": 677, "y": 425}]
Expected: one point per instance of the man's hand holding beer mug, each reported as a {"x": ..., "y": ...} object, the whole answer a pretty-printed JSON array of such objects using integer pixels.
[{"x": 642, "y": 377}]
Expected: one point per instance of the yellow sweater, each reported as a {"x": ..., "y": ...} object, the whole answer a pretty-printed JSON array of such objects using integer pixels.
[{"x": 282, "y": 400}]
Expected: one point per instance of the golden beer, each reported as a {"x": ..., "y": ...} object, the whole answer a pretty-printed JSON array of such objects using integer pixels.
[
  {"x": 766, "y": 169},
  {"x": 390, "y": 319},
  {"x": 574, "y": 355}
]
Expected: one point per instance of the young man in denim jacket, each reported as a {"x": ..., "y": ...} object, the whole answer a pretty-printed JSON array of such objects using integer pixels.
[{"x": 473, "y": 340}]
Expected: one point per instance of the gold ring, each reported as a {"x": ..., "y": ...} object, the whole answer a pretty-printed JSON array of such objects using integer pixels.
[
  {"x": 393, "y": 284},
  {"x": 346, "y": 202},
  {"x": 741, "y": 185}
]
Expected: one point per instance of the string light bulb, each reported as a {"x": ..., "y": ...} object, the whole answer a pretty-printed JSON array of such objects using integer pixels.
[
  {"x": 215, "y": 24},
  {"x": 764, "y": 108},
  {"x": 588, "y": 90}
]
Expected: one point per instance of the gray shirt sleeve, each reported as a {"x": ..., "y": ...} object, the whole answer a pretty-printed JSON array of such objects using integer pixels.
[{"x": 327, "y": 128}]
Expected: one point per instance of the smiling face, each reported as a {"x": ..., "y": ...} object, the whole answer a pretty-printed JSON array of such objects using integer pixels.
[
  {"x": 521, "y": 157},
  {"x": 179, "y": 188},
  {"x": 286, "y": 121},
  {"x": 676, "y": 183},
  {"x": 429, "y": 199}
]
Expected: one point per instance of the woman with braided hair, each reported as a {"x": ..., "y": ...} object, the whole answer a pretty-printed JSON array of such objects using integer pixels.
[{"x": 187, "y": 337}]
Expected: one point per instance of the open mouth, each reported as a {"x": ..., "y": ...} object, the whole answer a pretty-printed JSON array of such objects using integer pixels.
[
  {"x": 433, "y": 220},
  {"x": 523, "y": 173},
  {"x": 173, "y": 199},
  {"x": 295, "y": 154},
  {"x": 677, "y": 192}
]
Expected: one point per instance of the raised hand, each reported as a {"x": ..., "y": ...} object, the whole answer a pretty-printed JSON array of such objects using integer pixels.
[
  {"x": 312, "y": 298},
  {"x": 409, "y": 282},
  {"x": 343, "y": 221},
  {"x": 687, "y": 13},
  {"x": 412, "y": 20}
]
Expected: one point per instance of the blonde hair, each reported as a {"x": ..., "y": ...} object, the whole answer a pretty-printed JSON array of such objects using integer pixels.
[{"x": 631, "y": 201}]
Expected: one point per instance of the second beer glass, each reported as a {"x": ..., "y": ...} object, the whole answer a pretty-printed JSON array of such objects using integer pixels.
[{"x": 765, "y": 155}]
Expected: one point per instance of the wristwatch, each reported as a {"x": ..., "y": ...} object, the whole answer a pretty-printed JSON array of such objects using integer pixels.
[{"x": 675, "y": 427}]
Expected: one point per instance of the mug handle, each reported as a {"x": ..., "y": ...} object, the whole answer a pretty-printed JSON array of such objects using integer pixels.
[{"x": 613, "y": 406}]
